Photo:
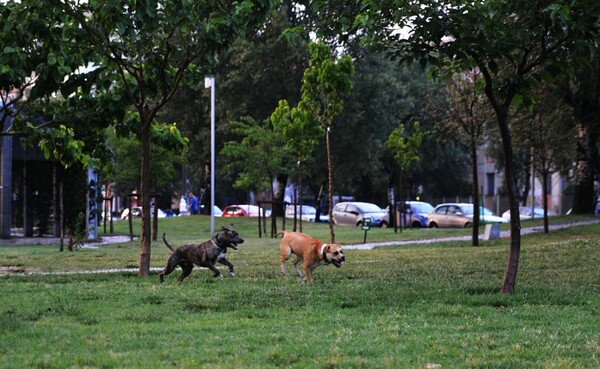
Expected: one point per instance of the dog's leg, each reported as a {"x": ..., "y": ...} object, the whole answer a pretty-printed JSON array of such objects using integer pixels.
[
  {"x": 215, "y": 271},
  {"x": 286, "y": 252},
  {"x": 171, "y": 265},
  {"x": 226, "y": 262},
  {"x": 187, "y": 269},
  {"x": 308, "y": 271},
  {"x": 296, "y": 262}
]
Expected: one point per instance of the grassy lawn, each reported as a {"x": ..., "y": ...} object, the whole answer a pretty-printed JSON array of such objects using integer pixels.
[{"x": 432, "y": 305}]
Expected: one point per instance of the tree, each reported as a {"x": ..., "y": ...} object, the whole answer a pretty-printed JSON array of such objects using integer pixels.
[
  {"x": 253, "y": 75},
  {"x": 325, "y": 84},
  {"x": 300, "y": 135},
  {"x": 513, "y": 44},
  {"x": 258, "y": 157},
  {"x": 549, "y": 133},
  {"x": 464, "y": 119},
  {"x": 153, "y": 47},
  {"x": 405, "y": 149}
]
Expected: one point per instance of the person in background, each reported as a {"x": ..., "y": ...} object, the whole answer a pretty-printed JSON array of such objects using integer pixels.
[{"x": 193, "y": 204}]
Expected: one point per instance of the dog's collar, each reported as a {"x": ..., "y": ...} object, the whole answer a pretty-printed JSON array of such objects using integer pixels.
[
  {"x": 324, "y": 254},
  {"x": 216, "y": 244}
]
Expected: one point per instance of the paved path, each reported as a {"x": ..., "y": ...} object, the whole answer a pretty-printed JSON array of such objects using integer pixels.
[{"x": 503, "y": 234}]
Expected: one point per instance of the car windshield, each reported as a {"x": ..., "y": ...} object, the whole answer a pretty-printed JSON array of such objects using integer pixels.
[
  {"x": 423, "y": 208},
  {"x": 369, "y": 208}
]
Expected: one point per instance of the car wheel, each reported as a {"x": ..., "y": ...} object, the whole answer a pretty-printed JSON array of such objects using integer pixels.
[
  {"x": 433, "y": 225},
  {"x": 383, "y": 225},
  {"x": 359, "y": 224},
  {"x": 416, "y": 225},
  {"x": 468, "y": 225}
]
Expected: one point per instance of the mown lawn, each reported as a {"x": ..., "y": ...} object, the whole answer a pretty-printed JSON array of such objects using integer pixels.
[{"x": 422, "y": 306}]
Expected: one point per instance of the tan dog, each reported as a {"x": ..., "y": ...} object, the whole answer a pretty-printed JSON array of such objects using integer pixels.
[{"x": 310, "y": 251}]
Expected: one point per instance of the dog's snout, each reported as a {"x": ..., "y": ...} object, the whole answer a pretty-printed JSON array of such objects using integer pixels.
[{"x": 343, "y": 258}]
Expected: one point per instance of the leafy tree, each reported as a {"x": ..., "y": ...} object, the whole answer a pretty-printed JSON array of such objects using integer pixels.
[
  {"x": 300, "y": 135},
  {"x": 547, "y": 131},
  {"x": 524, "y": 38},
  {"x": 464, "y": 119},
  {"x": 325, "y": 84},
  {"x": 152, "y": 47},
  {"x": 257, "y": 158},
  {"x": 405, "y": 148},
  {"x": 167, "y": 151},
  {"x": 252, "y": 76}
]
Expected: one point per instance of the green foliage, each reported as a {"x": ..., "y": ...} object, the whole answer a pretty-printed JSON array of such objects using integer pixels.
[
  {"x": 167, "y": 152},
  {"x": 298, "y": 130},
  {"x": 405, "y": 146},
  {"x": 325, "y": 84},
  {"x": 258, "y": 157}
]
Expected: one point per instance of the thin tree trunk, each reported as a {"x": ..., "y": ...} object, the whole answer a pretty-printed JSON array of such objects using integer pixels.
[
  {"x": 144, "y": 261},
  {"x": 512, "y": 264},
  {"x": 475, "y": 191},
  {"x": 330, "y": 180}
]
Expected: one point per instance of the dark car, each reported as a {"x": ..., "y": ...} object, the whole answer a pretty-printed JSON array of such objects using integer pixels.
[{"x": 413, "y": 214}]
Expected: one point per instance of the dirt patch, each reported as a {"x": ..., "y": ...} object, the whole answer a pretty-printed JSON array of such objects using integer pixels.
[{"x": 6, "y": 270}]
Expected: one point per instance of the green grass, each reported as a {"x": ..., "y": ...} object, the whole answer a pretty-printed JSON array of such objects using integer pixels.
[{"x": 391, "y": 307}]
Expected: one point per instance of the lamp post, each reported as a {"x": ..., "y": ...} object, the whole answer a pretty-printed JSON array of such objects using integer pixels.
[{"x": 209, "y": 82}]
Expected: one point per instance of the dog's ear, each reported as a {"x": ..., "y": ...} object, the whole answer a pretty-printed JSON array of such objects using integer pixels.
[{"x": 232, "y": 228}]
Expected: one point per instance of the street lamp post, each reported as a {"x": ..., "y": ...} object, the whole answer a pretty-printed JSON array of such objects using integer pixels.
[{"x": 209, "y": 82}]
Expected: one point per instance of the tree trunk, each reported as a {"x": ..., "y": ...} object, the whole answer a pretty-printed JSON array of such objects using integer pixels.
[
  {"x": 475, "y": 192},
  {"x": 144, "y": 262},
  {"x": 330, "y": 188},
  {"x": 545, "y": 203},
  {"x": 512, "y": 264}
]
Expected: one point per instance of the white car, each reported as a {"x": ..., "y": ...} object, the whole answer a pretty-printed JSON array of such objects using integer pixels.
[
  {"x": 526, "y": 213},
  {"x": 309, "y": 213}
]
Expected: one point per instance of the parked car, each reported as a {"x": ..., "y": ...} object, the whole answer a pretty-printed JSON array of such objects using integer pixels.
[
  {"x": 413, "y": 214},
  {"x": 136, "y": 212},
  {"x": 242, "y": 211},
  {"x": 459, "y": 215},
  {"x": 352, "y": 213},
  {"x": 525, "y": 213},
  {"x": 309, "y": 213}
]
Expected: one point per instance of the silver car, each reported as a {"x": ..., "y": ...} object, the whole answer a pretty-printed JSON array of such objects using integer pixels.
[
  {"x": 459, "y": 215},
  {"x": 353, "y": 213}
]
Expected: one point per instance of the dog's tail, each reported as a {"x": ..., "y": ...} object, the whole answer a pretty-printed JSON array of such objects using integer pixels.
[
  {"x": 166, "y": 243},
  {"x": 280, "y": 233}
]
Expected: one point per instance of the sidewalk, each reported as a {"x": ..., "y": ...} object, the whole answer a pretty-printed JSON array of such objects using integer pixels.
[{"x": 503, "y": 234}]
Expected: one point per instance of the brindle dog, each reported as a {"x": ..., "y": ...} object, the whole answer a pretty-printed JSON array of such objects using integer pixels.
[{"x": 205, "y": 254}]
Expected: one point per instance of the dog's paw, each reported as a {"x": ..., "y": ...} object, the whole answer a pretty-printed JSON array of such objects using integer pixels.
[{"x": 232, "y": 274}]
